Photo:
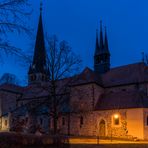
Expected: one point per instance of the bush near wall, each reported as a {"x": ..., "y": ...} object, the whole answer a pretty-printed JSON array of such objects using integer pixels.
[{"x": 19, "y": 140}]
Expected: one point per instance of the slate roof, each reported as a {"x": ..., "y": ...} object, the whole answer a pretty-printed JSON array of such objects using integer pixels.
[
  {"x": 11, "y": 88},
  {"x": 35, "y": 91},
  {"x": 122, "y": 100},
  {"x": 87, "y": 76},
  {"x": 132, "y": 73},
  {"x": 124, "y": 75}
]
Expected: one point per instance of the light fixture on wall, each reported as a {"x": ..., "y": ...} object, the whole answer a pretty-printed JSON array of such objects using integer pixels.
[{"x": 116, "y": 116}]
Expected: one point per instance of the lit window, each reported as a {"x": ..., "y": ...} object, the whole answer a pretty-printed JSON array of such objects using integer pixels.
[
  {"x": 5, "y": 123},
  {"x": 116, "y": 119}
]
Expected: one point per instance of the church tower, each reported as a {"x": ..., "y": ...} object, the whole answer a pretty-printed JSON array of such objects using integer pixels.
[
  {"x": 38, "y": 70},
  {"x": 102, "y": 54}
]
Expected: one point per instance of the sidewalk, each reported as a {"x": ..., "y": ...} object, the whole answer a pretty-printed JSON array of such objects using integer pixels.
[{"x": 100, "y": 141}]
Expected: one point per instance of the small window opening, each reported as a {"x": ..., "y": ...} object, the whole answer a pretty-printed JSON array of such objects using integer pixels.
[
  {"x": 81, "y": 121},
  {"x": 63, "y": 121},
  {"x": 5, "y": 123},
  {"x": 41, "y": 121},
  {"x": 147, "y": 121},
  {"x": 123, "y": 89}
]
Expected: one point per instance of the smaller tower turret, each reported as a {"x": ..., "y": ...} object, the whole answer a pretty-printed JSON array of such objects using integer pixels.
[{"x": 102, "y": 54}]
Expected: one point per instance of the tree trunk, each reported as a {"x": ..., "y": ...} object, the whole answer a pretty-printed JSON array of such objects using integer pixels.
[
  {"x": 54, "y": 108},
  {"x": 55, "y": 119},
  {"x": 68, "y": 124}
]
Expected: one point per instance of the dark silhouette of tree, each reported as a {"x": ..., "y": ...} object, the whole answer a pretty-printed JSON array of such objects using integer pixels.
[
  {"x": 9, "y": 79},
  {"x": 62, "y": 63},
  {"x": 12, "y": 20}
]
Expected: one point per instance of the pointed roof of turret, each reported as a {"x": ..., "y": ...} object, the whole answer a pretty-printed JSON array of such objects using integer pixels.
[
  {"x": 106, "y": 49},
  {"x": 97, "y": 48}
]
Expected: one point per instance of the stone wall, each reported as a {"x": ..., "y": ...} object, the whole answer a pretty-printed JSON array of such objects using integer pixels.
[
  {"x": 84, "y": 97},
  {"x": 146, "y": 124},
  {"x": 7, "y": 101},
  {"x": 91, "y": 120}
]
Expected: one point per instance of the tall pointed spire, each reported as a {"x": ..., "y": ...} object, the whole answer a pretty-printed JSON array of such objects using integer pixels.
[
  {"x": 106, "y": 41},
  {"x": 101, "y": 35},
  {"x": 39, "y": 58},
  {"x": 97, "y": 43},
  {"x": 39, "y": 65}
]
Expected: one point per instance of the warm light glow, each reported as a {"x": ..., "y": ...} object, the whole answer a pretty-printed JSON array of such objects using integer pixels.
[{"x": 116, "y": 116}]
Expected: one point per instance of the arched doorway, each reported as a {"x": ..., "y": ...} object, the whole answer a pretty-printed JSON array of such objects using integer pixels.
[{"x": 102, "y": 131}]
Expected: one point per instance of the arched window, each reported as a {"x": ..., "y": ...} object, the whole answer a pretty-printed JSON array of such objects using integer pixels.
[
  {"x": 102, "y": 130},
  {"x": 32, "y": 77}
]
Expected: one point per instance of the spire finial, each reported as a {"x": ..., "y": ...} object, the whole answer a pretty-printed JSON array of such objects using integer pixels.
[{"x": 41, "y": 5}]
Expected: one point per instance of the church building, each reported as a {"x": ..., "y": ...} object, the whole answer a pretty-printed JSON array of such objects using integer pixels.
[{"x": 104, "y": 101}]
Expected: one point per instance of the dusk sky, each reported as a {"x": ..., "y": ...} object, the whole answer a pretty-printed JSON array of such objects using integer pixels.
[{"x": 76, "y": 21}]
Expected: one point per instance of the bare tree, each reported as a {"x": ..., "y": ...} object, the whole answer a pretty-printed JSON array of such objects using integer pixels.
[
  {"x": 13, "y": 13},
  {"x": 9, "y": 79},
  {"x": 62, "y": 63}
]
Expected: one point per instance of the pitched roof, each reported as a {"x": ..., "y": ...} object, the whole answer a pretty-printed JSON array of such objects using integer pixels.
[
  {"x": 35, "y": 91},
  {"x": 122, "y": 100},
  {"x": 87, "y": 76},
  {"x": 132, "y": 73},
  {"x": 11, "y": 88}
]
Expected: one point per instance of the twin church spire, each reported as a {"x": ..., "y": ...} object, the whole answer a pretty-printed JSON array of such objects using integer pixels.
[
  {"x": 39, "y": 71},
  {"x": 102, "y": 54}
]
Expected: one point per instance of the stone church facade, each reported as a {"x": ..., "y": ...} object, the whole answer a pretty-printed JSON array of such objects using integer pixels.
[{"x": 102, "y": 102}]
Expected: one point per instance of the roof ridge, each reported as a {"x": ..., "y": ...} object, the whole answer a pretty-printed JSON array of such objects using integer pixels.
[{"x": 132, "y": 64}]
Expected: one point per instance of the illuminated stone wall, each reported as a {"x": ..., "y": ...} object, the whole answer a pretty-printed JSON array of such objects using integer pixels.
[
  {"x": 91, "y": 120},
  {"x": 145, "y": 123},
  {"x": 7, "y": 103}
]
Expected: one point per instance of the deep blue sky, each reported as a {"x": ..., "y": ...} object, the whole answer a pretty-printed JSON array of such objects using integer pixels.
[{"x": 76, "y": 21}]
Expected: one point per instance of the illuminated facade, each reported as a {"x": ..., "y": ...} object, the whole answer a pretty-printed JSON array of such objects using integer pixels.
[{"x": 101, "y": 102}]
